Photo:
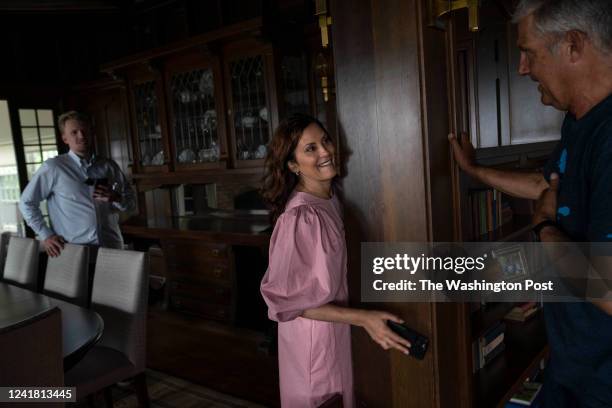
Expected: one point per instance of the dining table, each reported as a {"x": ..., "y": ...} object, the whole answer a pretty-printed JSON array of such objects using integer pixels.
[{"x": 81, "y": 327}]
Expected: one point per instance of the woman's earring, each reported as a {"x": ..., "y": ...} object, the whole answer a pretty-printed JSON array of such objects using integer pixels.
[{"x": 297, "y": 173}]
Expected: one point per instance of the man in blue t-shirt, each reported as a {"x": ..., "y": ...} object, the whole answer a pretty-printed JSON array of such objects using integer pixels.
[{"x": 566, "y": 46}]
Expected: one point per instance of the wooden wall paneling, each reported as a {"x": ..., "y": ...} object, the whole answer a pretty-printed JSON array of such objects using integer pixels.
[
  {"x": 356, "y": 94},
  {"x": 221, "y": 106},
  {"x": 381, "y": 102},
  {"x": 120, "y": 145},
  {"x": 450, "y": 324},
  {"x": 394, "y": 114},
  {"x": 492, "y": 82}
]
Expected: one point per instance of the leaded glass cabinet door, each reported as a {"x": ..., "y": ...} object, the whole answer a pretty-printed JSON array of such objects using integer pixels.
[
  {"x": 251, "y": 113},
  {"x": 149, "y": 127},
  {"x": 295, "y": 90},
  {"x": 196, "y": 126}
]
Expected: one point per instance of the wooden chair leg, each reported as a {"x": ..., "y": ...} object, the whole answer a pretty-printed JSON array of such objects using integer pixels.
[
  {"x": 108, "y": 397},
  {"x": 140, "y": 383}
]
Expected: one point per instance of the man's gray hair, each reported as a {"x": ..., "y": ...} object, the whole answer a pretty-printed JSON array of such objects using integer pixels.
[
  {"x": 556, "y": 17},
  {"x": 72, "y": 115}
]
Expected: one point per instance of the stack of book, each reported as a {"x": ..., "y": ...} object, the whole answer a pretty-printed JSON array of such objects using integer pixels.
[
  {"x": 488, "y": 346},
  {"x": 489, "y": 211},
  {"x": 522, "y": 312},
  {"x": 527, "y": 396}
]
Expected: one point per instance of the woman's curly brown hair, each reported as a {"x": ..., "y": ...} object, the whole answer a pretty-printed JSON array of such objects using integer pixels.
[{"x": 278, "y": 180}]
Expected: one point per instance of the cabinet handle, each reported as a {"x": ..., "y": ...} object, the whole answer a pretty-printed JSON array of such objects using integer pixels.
[
  {"x": 217, "y": 272},
  {"x": 216, "y": 252}
]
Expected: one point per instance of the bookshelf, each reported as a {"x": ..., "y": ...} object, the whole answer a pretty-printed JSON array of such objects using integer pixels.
[
  {"x": 526, "y": 345},
  {"x": 525, "y": 342},
  {"x": 511, "y": 131},
  {"x": 401, "y": 185}
]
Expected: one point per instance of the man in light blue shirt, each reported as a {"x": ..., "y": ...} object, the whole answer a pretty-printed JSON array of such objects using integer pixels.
[{"x": 84, "y": 193}]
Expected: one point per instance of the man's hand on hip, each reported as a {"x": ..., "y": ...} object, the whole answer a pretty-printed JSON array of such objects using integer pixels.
[{"x": 54, "y": 245}]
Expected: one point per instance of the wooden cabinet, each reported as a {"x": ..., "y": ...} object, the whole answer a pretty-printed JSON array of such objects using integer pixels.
[
  {"x": 201, "y": 279},
  {"x": 498, "y": 107},
  {"x": 212, "y": 102}
]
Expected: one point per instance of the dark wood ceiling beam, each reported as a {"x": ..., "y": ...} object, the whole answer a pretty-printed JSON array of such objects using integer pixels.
[{"x": 40, "y": 6}]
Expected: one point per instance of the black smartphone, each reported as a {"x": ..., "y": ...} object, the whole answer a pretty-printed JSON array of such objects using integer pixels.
[
  {"x": 418, "y": 342},
  {"x": 97, "y": 181}
]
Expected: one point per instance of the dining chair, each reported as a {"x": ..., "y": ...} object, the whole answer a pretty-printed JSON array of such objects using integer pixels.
[
  {"x": 119, "y": 295},
  {"x": 21, "y": 265},
  {"x": 27, "y": 361},
  {"x": 67, "y": 275},
  {"x": 4, "y": 240}
]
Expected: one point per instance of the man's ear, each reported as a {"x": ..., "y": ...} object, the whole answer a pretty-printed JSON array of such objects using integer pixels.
[{"x": 576, "y": 42}]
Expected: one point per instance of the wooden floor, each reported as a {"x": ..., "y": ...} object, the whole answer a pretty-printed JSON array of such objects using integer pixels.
[
  {"x": 226, "y": 360},
  {"x": 169, "y": 392}
]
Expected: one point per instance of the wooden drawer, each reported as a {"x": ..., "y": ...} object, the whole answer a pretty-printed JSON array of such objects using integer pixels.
[
  {"x": 222, "y": 274},
  {"x": 197, "y": 307},
  {"x": 189, "y": 251},
  {"x": 206, "y": 293}
]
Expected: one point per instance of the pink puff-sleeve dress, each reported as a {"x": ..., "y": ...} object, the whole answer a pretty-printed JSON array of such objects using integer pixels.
[{"x": 307, "y": 269}]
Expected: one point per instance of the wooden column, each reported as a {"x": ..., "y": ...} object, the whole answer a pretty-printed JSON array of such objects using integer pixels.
[{"x": 393, "y": 119}]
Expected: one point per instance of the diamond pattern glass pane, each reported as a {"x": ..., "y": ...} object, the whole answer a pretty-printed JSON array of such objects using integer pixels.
[
  {"x": 295, "y": 84},
  {"x": 148, "y": 125},
  {"x": 27, "y": 117},
  {"x": 251, "y": 114},
  {"x": 195, "y": 119},
  {"x": 30, "y": 136},
  {"x": 45, "y": 117}
]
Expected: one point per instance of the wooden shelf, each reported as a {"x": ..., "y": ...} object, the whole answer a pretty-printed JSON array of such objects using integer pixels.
[{"x": 526, "y": 345}]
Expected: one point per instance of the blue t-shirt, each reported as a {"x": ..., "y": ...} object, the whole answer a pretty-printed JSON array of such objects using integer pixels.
[{"x": 580, "y": 334}]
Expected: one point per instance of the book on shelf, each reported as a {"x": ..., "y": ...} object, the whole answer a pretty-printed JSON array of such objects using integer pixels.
[
  {"x": 490, "y": 210},
  {"x": 522, "y": 312},
  {"x": 526, "y": 396},
  {"x": 488, "y": 346}
]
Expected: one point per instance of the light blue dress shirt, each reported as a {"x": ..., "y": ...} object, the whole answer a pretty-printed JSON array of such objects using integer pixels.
[{"x": 73, "y": 212}]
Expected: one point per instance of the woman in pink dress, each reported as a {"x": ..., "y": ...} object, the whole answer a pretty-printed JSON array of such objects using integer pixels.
[{"x": 305, "y": 285}]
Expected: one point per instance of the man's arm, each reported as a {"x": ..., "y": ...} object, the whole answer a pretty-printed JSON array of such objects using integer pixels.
[
  {"x": 518, "y": 184},
  {"x": 37, "y": 190},
  {"x": 568, "y": 259}
]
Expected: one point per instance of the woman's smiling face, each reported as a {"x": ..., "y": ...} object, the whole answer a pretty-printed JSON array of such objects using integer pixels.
[{"x": 314, "y": 156}]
